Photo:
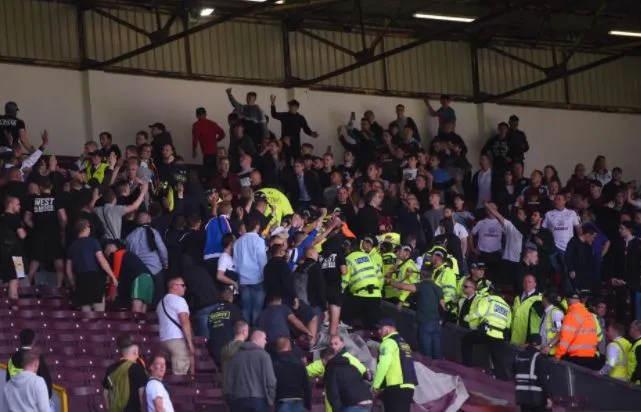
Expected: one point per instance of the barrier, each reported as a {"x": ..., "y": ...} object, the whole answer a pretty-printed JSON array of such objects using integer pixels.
[{"x": 576, "y": 387}]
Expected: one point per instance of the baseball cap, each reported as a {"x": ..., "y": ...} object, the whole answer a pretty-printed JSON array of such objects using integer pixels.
[
  {"x": 386, "y": 322},
  {"x": 370, "y": 239},
  {"x": 478, "y": 265},
  {"x": 158, "y": 125},
  {"x": 572, "y": 295}
]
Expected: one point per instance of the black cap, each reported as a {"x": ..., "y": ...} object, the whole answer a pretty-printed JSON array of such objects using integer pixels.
[
  {"x": 158, "y": 126},
  {"x": 370, "y": 239},
  {"x": 478, "y": 265},
  {"x": 514, "y": 118},
  {"x": 386, "y": 322},
  {"x": 293, "y": 102},
  {"x": 11, "y": 107},
  {"x": 572, "y": 295},
  {"x": 95, "y": 153},
  {"x": 200, "y": 111}
]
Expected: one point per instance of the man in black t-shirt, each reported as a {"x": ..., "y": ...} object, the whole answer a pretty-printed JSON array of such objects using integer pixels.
[
  {"x": 117, "y": 394},
  {"x": 12, "y": 234},
  {"x": 221, "y": 323},
  {"x": 46, "y": 219},
  {"x": 12, "y": 129},
  {"x": 333, "y": 268}
]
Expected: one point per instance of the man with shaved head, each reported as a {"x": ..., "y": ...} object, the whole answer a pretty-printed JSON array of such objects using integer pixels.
[{"x": 293, "y": 392}]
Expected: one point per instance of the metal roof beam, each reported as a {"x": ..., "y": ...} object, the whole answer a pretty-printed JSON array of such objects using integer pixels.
[
  {"x": 418, "y": 42},
  {"x": 268, "y": 5},
  {"x": 554, "y": 75}
]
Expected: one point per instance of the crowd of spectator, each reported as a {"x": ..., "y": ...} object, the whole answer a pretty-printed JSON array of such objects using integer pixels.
[{"x": 272, "y": 235}]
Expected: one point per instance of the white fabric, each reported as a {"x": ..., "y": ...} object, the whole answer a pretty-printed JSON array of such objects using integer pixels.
[
  {"x": 557, "y": 322},
  {"x": 612, "y": 354},
  {"x": 513, "y": 242},
  {"x": 156, "y": 389},
  {"x": 433, "y": 386},
  {"x": 459, "y": 230},
  {"x": 225, "y": 262},
  {"x": 485, "y": 188},
  {"x": 562, "y": 224},
  {"x": 174, "y": 305},
  {"x": 489, "y": 233}
]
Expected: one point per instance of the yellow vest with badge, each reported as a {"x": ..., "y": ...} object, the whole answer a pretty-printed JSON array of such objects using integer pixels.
[
  {"x": 472, "y": 318},
  {"x": 407, "y": 273},
  {"x": 98, "y": 173},
  {"x": 632, "y": 360},
  {"x": 494, "y": 316},
  {"x": 620, "y": 368},
  {"x": 362, "y": 278},
  {"x": 377, "y": 259},
  {"x": 524, "y": 317},
  {"x": 445, "y": 277},
  {"x": 550, "y": 329}
]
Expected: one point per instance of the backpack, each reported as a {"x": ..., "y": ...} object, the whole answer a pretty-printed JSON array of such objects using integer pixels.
[{"x": 119, "y": 392}]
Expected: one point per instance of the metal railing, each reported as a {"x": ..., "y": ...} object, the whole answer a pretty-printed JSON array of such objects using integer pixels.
[{"x": 575, "y": 387}]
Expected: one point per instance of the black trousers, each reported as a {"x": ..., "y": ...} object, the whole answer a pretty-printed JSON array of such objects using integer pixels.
[
  {"x": 368, "y": 310},
  {"x": 592, "y": 363},
  {"x": 397, "y": 399},
  {"x": 209, "y": 167},
  {"x": 493, "y": 345}
]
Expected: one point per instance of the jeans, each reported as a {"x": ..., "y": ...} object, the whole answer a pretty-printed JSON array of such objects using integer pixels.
[
  {"x": 249, "y": 405},
  {"x": 252, "y": 298},
  {"x": 429, "y": 339},
  {"x": 290, "y": 406},
  {"x": 202, "y": 329}
]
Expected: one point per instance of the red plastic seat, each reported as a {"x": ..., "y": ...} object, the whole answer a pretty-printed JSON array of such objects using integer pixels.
[
  {"x": 29, "y": 314},
  {"x": 178, "y": 380},
  {"x": 71, "y": 378},
  {"x": 61, "y": 314}
]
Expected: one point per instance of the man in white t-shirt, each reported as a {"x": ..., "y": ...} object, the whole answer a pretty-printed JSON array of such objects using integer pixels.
[
  {"x": 459, "y": 230},
  {"x": 175, "y": 328},
  {"x": 156, "y": 396},
  {"x": 562, "y": 223}
]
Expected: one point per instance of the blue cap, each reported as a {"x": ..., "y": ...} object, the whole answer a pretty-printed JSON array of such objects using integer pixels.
[{"x": 386, "y": 322}]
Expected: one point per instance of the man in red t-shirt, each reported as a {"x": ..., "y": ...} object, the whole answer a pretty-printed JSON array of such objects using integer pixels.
[{"x": 206, "y": 133}]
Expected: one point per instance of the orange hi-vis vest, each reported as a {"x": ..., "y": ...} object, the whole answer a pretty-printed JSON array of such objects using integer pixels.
[
  {"x": 578, "y": 336},
  {"x": 117, "y": 265}
]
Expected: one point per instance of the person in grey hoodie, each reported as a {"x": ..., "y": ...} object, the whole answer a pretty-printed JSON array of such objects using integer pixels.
[
  {"x": 26, "y": 392},
  {"x": 250, "y": 379}
]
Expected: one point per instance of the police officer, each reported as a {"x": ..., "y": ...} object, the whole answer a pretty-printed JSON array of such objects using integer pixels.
[
  {"x": 478, "y": 272},
  {"x": 362, "y": 286},
  {"x": 12, "y": 129},
  {"x": 532, "y": 378},
  {"x": 368, "y": 245},
  {"x": 445, "y": 277},
  {"x": 469, "y": 303},
  {"x": 494, "y": 318},
  {"x": 395, "y": 377},
  {"x": 407, "y": 273}
]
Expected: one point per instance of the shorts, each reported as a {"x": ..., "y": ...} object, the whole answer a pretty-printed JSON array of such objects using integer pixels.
[
  {"x": 143, "y": 288},
  {"x": 45, "y": 248},
  {"x": 334, "y": 295}
]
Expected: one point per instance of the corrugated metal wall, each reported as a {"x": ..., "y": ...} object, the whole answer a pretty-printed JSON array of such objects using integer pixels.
[
  {"x": 46, "y": 32},
  {"x": 617, "y": 84},
  {"x": 38, "y": 30},
  {"x": 311, "y": 58},
  {"x": 436, "y": 67},
  {"x": 498, "y": 73}
]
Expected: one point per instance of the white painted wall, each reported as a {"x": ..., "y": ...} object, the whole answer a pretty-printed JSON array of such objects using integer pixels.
[{"x": 76, "y": 107}]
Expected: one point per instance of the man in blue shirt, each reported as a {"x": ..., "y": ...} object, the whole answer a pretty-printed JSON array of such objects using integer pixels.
[
  {"x": 250, "y": 257},
  {"x": 444, "y": 113}
]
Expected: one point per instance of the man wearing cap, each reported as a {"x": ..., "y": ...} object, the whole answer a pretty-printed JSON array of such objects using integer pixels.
[
  {"x": 478, "y": 275},
  {"x": 362, "y": 285},
  {"x": 206, "y": 133},
  {"x": 532, "y": 379},
  {"x": 12, "y": 129},
  {"x": 578, "y": 337},
  {"x": 493, "y": 315},
  {"x": 445, "y": 277},
  {"x": 291, "y": 123},
  {"x": 406, "y": 273},
  {"x": 368, "y": 245},
  {"x": 395, "y": 377},
  {"x": 517, "y": 141}
]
